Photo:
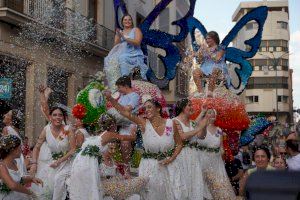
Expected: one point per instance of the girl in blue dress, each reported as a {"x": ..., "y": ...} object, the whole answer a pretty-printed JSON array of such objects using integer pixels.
[
  {"x": 212, "y": 62},
  {"x": 126, "y": 53}
]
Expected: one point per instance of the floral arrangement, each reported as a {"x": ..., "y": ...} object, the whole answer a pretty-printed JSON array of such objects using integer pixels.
[
  {"x": 159, "y": 155},
  {"x": 56, "y": 156},
  {"x": 169, "y": 130},
  {"x": 63, "y": 135},
  {"x": 92, "y": 151},
  {"x": 4, "y": 189},
  {"x": 79, "y": 111}
]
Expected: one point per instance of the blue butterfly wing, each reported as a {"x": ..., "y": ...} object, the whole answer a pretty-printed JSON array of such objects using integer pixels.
[
  {"x": 238, "y": 56},
  {"x": 119, "y": 4},
  {"x": 194, "y": 24},
  {"x": 163, "y": 40}
]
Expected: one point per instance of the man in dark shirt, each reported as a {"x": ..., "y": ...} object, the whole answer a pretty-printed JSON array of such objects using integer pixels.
[{"x": 234, "y": 171}]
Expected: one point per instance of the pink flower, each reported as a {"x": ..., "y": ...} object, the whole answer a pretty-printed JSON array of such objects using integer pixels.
[{"x": 168, "y": 130}]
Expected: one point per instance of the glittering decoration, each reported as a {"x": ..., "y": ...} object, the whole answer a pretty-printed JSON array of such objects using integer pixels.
[
  {"x": 231, "y": 113},
  {"x": 235, "y": 55},
  {"x": 79, "y": 111},
  {"x": 219, "y": 186},
  {"x": 148, "y": 90},
  {"x": 258, "y": 126},
  {"x": 92, "y": 99},
  {"x": 119, "y": 188}
]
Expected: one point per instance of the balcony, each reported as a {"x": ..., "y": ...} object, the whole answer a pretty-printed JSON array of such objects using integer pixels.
[{"x": 58, "y": 22}]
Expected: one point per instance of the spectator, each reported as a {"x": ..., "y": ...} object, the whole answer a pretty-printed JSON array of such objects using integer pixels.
[
  {"x": 280, "y": 163},
  {"x": 261, "y": 158},
  {"x": 293, "y": 151}
]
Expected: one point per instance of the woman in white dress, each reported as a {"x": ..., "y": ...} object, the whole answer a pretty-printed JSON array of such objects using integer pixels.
[
  {"x": 85, "y": 178},
  {"x": 217, "y": 184},
  {"x": 62, "y": 144},
  {"x": 162, "y": 144},
  {"x": 12, "y": 121},
  {"x": 11, "y": 181},
  {"x": 190, "y": 132}
]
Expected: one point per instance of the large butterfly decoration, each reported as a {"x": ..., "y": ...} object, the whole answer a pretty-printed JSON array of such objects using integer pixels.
[{"x": 188, "y": 24}]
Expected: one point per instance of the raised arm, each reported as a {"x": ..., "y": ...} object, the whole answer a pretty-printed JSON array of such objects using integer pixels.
[
  {"x": 186, "y": 135},
  {"x": 178, "y": 147},
  {"x": 117, "y": 37},
  {"x": 124, "y": 111},
  {"x": 137, "y": 38},
  {"x": 201, "y": 115},
  {"x": 36, "y": 152},
  {"x": 44, "y": 95}
]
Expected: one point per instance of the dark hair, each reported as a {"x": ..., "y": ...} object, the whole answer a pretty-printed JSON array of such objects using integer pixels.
[
  {"x": 215, "y": 36},
  {"x": 124, "y": 81},
  {"x": 8, "y": 143},
  {"x": 180, "y": 105},
  {"x": 263, "y": 148},
  {"x": 124, "y": 17},
  {"x": 62, "y": 110},
  {"x": 156, "y": 104},
  {"x": 105, "y": 122},
  {"x": 16, "y": 120},
  {"x": 292, "y": 144}
]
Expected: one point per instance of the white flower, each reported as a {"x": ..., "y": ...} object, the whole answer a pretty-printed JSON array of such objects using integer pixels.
[{"x": 146, "y": 97}]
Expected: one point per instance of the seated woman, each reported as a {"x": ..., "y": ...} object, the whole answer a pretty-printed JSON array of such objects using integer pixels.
[
  {"x": 126, "y": 54},
  {"x": 212, "y": 60},
  {"x": 12, "y": 182}
]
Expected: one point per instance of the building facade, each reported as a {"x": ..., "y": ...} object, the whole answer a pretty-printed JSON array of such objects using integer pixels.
[
  {"x": 59, "y": 43},
  {"x": 269, "y": 90}
]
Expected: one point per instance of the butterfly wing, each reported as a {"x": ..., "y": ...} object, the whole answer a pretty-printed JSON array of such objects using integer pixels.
[
  {"x": 239, "y": 56},
  {"x": 119, "y": 5},
  {"x": 163, "y": 40}
]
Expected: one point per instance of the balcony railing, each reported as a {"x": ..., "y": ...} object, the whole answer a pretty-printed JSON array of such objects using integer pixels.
[{"x": 52, "y": 14}]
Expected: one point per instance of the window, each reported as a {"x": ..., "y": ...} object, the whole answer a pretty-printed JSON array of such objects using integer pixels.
[
  {"x": 283, "y": 99},
  {"x": 282, "y": 25},
  {"x": 274, "y": 45},
  {"x": 58, "y": 82},
  {"x": 92, "y": 9},
  {"x": 251, "y": 25},
  {"x": 139, "y": 19},
  {"x": 164, "y": 20},
  {"x": 267, "y": 83},
  {"x": 252, "y": 99}
]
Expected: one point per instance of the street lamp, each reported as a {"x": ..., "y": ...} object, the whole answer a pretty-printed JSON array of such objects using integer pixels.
[{"x": 276, "y": 61}]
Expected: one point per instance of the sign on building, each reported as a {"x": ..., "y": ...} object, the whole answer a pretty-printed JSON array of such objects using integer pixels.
[{"x": 5, "y": 88}]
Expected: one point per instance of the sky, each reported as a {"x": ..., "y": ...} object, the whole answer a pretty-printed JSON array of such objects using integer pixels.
[{"x": 217, "y": 15}]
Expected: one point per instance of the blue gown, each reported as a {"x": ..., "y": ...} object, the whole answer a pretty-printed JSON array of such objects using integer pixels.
[
  {"x": 208, "y": 64},
  {"x": 122, "y": 59}
]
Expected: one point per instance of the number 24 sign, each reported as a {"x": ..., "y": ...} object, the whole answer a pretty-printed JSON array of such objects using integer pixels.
[{"x": 5, "y": 88}]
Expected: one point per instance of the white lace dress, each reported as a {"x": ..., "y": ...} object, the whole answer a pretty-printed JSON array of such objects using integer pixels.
[
  {"x": 215, "y": 176},
  {"x": 85, "y": 177},
  {"x": 16, "y": 176},
  {"x": 191, "y": 169},
  {"x": 61, "y": 173},
  {"x": 20, "y": 161},
  {"x": 164, "y": 181}
]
